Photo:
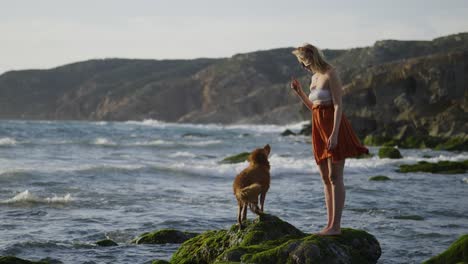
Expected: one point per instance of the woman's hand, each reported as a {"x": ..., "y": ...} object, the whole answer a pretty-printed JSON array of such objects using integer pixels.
[
  {"x": 332, "y": 141},
  {"x": 295, "y": 85}
]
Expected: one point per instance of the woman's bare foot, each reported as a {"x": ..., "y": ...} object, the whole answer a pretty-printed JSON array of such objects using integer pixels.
[
  {"x": 324, "y": 230},
  {"x": 330, "y": 232}
]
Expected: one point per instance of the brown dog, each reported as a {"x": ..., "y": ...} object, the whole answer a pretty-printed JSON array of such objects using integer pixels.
[{"x": 252, "y": 182}]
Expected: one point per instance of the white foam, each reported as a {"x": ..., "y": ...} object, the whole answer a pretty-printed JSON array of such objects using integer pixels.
[
  {"x": 104, "y": 142},
  {"x": 182, "y": 154},
  {"x": 160, "y": 142},
  {"x": 202, "y": 143},
  {"x": 157, "y": 142},
  {"x": 7, "y": 141},
  {"x": 26, "y": 196},
  {"x": 465, "y": 180},
  {"x": 215, "y": 126}
]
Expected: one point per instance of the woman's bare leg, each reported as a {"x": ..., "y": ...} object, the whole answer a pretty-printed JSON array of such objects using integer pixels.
[
  {"x": 338, "y": 196},
  {"x": 327, "y": 190}
]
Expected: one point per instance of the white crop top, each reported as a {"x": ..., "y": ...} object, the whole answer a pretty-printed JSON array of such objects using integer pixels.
[{"x": 320, "y": 95}]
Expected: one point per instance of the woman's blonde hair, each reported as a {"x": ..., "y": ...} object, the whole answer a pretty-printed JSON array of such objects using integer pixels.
[{"x": 311, "y": 56}]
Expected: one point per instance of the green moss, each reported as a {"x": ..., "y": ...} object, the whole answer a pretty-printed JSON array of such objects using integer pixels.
[
  {"x": 419, "y": 141},
  {"x": 454, "y": 143},
  {"x": 241, "y": 157},
  {"x": 106, "y": 243},
  {"x": 320, "y": 249},
  {"x": 456, "y": 253},
  {"x": 379, "y": 178},
  {"x": 268, "y": 239},
  {"x": 443, "y": 166},
  {"x": 389, "y": 152},
  {"x": 204, "y": 248},
  {"x": 164, "y": 236},
  {"x": 409, "y": 217}
]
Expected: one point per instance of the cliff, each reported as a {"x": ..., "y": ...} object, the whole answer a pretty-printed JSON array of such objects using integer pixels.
[{"x": 391, "y": 87}]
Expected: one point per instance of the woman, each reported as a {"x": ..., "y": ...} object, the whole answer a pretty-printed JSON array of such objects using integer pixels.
[{"x": 333, "y": 138}]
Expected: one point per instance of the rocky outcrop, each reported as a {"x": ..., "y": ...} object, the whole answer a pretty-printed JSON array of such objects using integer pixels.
[
  {"x": 442, "y": 166},
  {"x": 269, "y": 239},
  {"x": 15, "y": 260},
  {"x": 389, "y": 152},
  {"x": 393, "y": 88},
  {"x": 164, "y": 236},
  {"x": 456, "y": 253}
]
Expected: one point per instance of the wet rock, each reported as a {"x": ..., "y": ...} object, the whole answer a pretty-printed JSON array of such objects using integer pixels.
[
  {"x": 15, "y": 260},
  {"x": 241, "y": 157},
  {"x": 164, "y": 236},
  {"x": 409, "y": 217},
  {"x": 106, "y": 243},
  {"x": 268, "y": 239},
  {"x": 443, "y": 167},
  {"x": 389, "y": 152},
  {"x": 288, "y": 132},
  {"x": 379, "y": 178},
  {"x": 456, "y": 253}
]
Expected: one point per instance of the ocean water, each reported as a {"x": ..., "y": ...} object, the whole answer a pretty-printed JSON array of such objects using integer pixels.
[{"x": 65, "y": 185}]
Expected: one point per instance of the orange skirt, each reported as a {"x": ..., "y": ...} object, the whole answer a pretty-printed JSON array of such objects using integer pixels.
[{"x": 348, "y": 144}]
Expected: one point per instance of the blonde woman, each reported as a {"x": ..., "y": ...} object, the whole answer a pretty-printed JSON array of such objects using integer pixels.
[{"x": 333, "y": 138}]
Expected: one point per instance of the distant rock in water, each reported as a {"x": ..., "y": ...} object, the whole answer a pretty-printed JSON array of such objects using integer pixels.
[
  {"x": 106, "y": 243},
  {"x": 238, "y": 158},
  {"x": 379, "y": 178},
  {"x": 164, "y": 236},
  {"x": 389, "y": 152},
  {"x": 15, "y": 260},
  {"x": 442, "y": 166},
  {"x": 456, "y": 253},
  {"x": 269, "y": 239},
  {"x": 288, "y": 132}
]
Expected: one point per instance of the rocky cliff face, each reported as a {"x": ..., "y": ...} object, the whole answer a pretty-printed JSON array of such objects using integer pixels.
[
  {"x": 425, "y": 95},
  {"x": 390, "y": 87}
]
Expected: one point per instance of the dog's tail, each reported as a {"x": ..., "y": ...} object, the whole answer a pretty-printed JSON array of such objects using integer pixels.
[{"x": 249, "y": 193}]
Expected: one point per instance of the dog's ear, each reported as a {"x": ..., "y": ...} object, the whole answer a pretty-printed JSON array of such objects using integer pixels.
[{"x": 267, "y": 149}]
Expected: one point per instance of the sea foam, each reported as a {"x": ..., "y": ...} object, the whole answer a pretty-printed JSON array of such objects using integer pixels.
[
  {"x": 7, "y": 141},
  {"x": 215, "y": 126},
  {"x": 28, "y": 197}
]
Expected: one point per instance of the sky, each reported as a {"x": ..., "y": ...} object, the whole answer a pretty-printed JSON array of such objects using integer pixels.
[{"x": 39, "y": 34}]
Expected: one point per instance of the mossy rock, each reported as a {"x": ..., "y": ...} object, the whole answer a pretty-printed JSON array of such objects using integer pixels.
[
  {"x": 15, "y": 260},
  {"x": 409, "y": 217},
  {"x": 456, "y": 253},
  {"x": 419, "y": 141},
  {"x": 164, "y": 236},
  {"x": 241, "y": 157},
  {"x": 379, "y": 178},
  {"x": 106, "y": 243},
  {"x": 269, "y": 239},
  {"x": 454, "y": 143},
  {"x": 288, "y": 132},
  {"x": 442, "y": 167},
  {"x": 389, "y": 152}
]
